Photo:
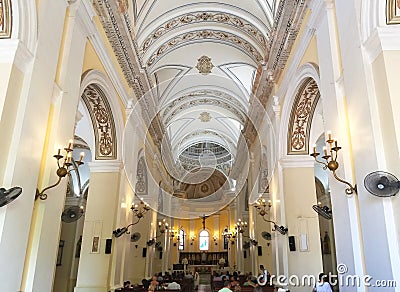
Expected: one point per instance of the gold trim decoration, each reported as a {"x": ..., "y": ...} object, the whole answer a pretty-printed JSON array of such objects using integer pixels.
[
  {"x": 301, "y": 117},
  {"x": 5, "y": 19},
  {"x": 205, "y": 117},
  {"x": 102, "y": 121},
  {"x": 141, "y": 176},
  {"x": 204, "y": 65},
  {"x": 202, "y": 17},
  {"x": 200, "y": 35},
  {"x": 393, "y": 11}
]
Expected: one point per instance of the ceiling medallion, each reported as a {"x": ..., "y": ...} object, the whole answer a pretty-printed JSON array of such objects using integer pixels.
[
  {"x": 205, "y": 117},
  {"x": 204, "y": 65}
]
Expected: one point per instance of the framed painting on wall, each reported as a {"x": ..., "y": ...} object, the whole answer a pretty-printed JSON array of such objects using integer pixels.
[
  {"x": 393, "y": 11},
  {"x": 95, "y": 244}
]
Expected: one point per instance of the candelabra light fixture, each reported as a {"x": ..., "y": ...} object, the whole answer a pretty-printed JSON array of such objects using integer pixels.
[
  {"x": 65, "y": 166},
  {"x": 331, "y": 163},
  {"x": 229, "y": 234},
  {"x": 163, "y": 226},
  {"x": 192, "y": 238},
  {"x": 215, "y": 238},
  {"x": 263, "y": 206},
  {"x": 138, "y": 212},
  {"x": 240, "y": 226}
]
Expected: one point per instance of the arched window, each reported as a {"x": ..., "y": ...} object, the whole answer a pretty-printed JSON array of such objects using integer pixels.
[
  {"x": 204, "y": 240},
  {"x": 181, "y": 239}
]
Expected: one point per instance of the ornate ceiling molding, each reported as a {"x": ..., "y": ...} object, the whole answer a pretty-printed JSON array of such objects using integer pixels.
[
  {"x": 202, "y": 102},
  {"x": 113, "y": 20},
  {"x": 204, "y": 17},
  {"x": 5, "y": 19},
  {"x": 288, "y": 21},
  {"x": 301, "y": 117},
  {"x": 204, "y": 133},
  {"x": 209, "y": 93},
  {"x": 103, "y": 122},
  {"x": 202, "y": 35}
]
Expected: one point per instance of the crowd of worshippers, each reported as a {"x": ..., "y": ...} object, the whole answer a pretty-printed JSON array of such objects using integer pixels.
[
  {"x": 235, "y": 282},
  {"x": 188, "y": 282},
  {"x": 181, "y": 281}
]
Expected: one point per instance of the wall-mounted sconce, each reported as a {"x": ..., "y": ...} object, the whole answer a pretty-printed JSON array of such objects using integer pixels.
[
  {"x": 163, "y": 226},
  {"x": 331, "y": 161},
  {"x": 192, "y": 238},
  {"x": 64, "y": 168},
  {"x": 215, "y": 238},
  {"x": 263, "y": 206},
  {"x": 230, "y": 235},
  {"x": 138, "y": 211},
  {"x": 240, "y": 226}
]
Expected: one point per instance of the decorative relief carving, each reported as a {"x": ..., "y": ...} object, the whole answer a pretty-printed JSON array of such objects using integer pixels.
[
  {"x": 121, "y": 46},
  {"x": 204, "y": 65},
  {"x": 192, "y": 18},
  {"x": 102, "y": 121},
  {"x": 141, "y": 177},
  {"x": 263, "y": 175},
  {"x": 201, "y": 35},
  {"x": 301, "y": 117},
  {"x": 206, "y": 101},
  {"x": 203, "y": 93},
  {"x": 205, "y": 117},
  {"x": 5, "y": 19}
]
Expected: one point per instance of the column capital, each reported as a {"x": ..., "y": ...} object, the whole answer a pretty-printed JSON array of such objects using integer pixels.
[{"x": 105, "y": 166}]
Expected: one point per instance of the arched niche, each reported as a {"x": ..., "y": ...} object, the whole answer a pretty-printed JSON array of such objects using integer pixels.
[
  {"x": 298, "y": 110},
  {"x": 101, "y": 105}
]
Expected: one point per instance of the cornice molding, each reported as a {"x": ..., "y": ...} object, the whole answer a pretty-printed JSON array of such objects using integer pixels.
[
  {"x": 300, "y": 161},
  {"x": 382, "y": 39},
  {"x": 14, "y": 51},
  {"x": 86, "y": 13},
  {"x": 105, "y": 166}
]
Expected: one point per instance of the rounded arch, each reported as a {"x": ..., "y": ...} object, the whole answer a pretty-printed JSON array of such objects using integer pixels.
[
  {"x": 104, "y": 107},
  {"x": 308, "y": 71},
  {"x": 24, "y": 22}
]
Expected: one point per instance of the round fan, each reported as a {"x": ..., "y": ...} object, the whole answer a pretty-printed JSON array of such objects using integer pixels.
[
  {"x": 324, "y": 211},
  {"x": 382, "y": 184},
  {"x": 7, "y": 196},
  {"x": 135, "y": 237},
  {"x": 72, "y": 214},
  {"x": 266, "y": 235}
]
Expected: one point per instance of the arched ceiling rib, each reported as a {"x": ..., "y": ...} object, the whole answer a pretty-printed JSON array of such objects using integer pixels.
[{"x": 202, "y": 57}]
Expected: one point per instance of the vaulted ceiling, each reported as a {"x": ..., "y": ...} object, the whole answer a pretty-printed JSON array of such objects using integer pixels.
[
  {"x": 203, "y": 72},
  {"x": 202, "y": 58}
]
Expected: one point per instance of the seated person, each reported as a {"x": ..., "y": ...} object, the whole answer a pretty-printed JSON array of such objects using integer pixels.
[
  {"x": 153, "y": 284},
  {"x": 127, "y": 284},
  {"x": 227, "y": 286},
  {"x": 174, "y": 286}
]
